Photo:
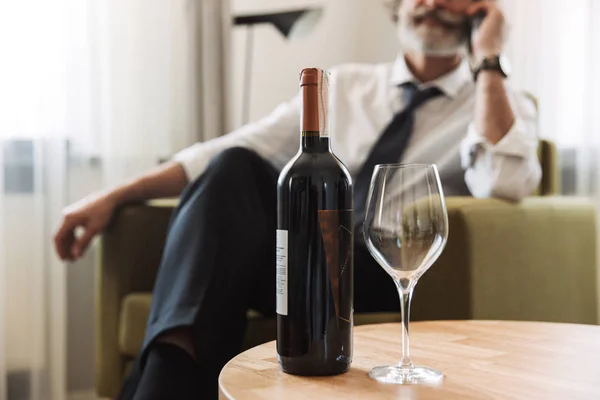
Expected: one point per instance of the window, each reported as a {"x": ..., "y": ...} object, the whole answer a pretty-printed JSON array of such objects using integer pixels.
[{"x": 18, "y": 166}]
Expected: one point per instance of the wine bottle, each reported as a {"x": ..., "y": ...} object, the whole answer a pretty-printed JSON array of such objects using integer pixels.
[{"x": 315, "y": 246}]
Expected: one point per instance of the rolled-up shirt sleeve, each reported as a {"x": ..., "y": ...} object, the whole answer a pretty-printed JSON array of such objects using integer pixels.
[
  {"x": 275, "y": 138},
  {"x": 509, "y": 169}
]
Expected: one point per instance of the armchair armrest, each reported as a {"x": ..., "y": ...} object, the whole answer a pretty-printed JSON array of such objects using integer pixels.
[
  {"x": 534, "y": 260},
  {"x": 129, "y": 256}
]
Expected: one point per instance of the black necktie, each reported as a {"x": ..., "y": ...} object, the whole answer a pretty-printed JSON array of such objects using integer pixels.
[{"x": 391, "y": 145}]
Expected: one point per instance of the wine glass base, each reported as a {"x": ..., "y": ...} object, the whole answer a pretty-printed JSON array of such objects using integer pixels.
[{"x": 406, "y": 376}]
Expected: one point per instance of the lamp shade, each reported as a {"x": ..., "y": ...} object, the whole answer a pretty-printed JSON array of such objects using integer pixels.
[{"x": 291, "y": 24}]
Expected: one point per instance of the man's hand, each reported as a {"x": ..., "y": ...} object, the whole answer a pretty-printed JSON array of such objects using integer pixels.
[
  {"x": 489, "y": 38},
  {"x": 92, "y": 215}
]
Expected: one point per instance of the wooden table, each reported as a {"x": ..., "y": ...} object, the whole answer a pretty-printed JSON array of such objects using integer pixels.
[{"x": 480, "y": 360}]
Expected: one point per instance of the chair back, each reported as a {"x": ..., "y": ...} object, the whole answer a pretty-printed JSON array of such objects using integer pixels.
[{"x": 548, "y": 156}]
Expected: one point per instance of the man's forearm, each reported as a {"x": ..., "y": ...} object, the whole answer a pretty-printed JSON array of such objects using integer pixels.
[
  {"x": 494, "y": 116},
  {"x": 167, "y": 180}
]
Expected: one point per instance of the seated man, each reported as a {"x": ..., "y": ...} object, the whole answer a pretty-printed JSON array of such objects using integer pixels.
[{"x": 219, "y": 255}]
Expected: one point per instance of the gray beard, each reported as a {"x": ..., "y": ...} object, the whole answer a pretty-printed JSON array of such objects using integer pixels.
[{"x": 410, "y": 41}]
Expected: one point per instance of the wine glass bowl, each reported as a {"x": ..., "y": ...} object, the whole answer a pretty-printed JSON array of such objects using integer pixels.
[{"x": 405, "y": 230}]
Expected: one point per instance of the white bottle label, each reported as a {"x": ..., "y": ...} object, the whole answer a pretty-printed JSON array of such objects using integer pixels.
[{"x": 282, "y": 272}]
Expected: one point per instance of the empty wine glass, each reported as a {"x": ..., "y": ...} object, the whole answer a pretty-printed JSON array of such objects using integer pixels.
[{"x": 405, "y": 229}]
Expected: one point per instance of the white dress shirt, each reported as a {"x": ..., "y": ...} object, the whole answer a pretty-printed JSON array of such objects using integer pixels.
[{"x": 364, "y": 99}]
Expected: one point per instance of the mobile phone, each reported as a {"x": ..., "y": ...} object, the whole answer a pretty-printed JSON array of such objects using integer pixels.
[{"x": 473, "y": 23}]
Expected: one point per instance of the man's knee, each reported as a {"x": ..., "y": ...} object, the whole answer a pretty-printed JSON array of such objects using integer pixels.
[
  {"x": 238, "y": 160},
  {"x": 226, "y": 170},
  {"x": 231, "y": 172}
]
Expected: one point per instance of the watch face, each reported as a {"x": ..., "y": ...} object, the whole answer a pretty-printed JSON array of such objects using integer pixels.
[{"x": 505, "y": 65}]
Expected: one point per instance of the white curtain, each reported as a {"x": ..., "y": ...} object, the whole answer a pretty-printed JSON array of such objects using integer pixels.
[
  {"x": 91, "y": 93},
  {"x": 555, "y": 49}
]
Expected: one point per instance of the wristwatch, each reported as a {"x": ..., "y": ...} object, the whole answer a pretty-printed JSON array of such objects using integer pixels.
[{"x": 498, "y": 63}]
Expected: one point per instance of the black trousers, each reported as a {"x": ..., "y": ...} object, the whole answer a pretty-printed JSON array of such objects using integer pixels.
[{"x": 219, "y": 261}]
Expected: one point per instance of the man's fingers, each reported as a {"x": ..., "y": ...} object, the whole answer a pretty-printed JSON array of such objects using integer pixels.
[
  {"x": 82, "y": 243},
  {"x": 65, "y": 236},
  {"x": 63, "y": 244},
  {"x": 480, "y": 6}
]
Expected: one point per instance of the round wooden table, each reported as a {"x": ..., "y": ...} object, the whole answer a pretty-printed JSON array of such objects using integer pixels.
[{"x": 479, "y": 359}]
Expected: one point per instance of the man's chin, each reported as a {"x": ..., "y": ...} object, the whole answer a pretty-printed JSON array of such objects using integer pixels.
[{"x": 443, "y": 51}]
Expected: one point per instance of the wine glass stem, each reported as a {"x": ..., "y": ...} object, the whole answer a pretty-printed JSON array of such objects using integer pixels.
[{"x": 405, "y": 297}]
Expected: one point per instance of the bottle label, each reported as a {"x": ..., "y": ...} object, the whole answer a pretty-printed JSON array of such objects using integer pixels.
[
  {"x": 282, "y": 272},
  {"x": 338, "y": 242}
]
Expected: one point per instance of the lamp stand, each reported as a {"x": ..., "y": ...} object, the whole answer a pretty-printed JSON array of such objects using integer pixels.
[
  {"x": 287, "y": 23},
  {"x": 248, "y": 75}
]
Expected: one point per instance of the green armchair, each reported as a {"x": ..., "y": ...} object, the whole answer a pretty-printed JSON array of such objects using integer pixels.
[{"x": 535, "y": 260}]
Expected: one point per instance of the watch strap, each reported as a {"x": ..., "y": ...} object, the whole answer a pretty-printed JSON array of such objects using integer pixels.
[{"x": 489, "y": 64}]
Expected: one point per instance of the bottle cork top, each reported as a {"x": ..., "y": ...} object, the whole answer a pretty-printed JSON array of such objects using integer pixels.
[
  {"x": 311, "y": 76},
  {"x": 315, "y": 115}
]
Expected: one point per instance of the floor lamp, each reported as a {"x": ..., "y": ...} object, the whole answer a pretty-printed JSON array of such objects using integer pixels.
[{"x": 292, "y": 25}]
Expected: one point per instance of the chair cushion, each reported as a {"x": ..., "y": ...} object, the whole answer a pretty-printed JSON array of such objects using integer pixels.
[{"x": 135, "y": 310}]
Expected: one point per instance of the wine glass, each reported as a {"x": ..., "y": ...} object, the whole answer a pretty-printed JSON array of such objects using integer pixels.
[{"x": 405, "y": 230}]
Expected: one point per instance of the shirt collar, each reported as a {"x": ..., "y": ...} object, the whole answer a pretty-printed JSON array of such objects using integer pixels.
[{"x": 450, "y": 83}]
